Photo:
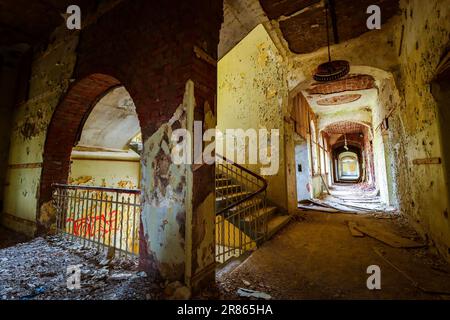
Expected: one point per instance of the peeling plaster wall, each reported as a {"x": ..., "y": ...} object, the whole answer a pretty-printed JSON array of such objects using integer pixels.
[
  {"x": 177, "y": 227},
  {"x": 105, "y": 169},
  {"x": 52, "y": 69},
  {"x": 252, "y": 94},
  {"x": 167, "y": 196},
  {"x": 422, "y": 195},
  {"x": 384, "y": 141}
]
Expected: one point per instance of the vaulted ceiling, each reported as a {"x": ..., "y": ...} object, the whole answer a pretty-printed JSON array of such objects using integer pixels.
[
  {"x": 345, "y": 127},
  {"x": 112, "y": 123}
]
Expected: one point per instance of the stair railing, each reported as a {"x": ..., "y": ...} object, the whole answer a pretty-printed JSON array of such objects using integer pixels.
[{"x": 240, "y": 203}]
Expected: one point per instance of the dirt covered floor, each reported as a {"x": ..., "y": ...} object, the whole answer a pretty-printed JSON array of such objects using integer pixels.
[
  {"x": 36, "y": 270},
  {"x": 315, "y": 257},
  {"x": 318, "y": 258}
]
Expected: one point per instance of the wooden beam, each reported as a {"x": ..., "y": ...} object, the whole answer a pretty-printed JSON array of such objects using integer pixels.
[{"x": 427, "y": 161}]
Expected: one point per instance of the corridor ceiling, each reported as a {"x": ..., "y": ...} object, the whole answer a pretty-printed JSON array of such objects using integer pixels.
[{"x": 302, "y": 22}]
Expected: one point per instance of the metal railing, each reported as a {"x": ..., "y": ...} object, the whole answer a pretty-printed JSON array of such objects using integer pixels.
[
  {"x": 105, "y": 218},
  {"x": 241, "y": 222}
]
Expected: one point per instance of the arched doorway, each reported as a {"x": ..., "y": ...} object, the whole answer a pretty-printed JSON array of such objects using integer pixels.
[
  {"x": 91, "y": 174},
  {"x": 348, "y": 168}
]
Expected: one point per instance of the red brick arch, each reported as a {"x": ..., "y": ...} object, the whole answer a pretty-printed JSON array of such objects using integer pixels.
[{"x": 64, "y": 129}]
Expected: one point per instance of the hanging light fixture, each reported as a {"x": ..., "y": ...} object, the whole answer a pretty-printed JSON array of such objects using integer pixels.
[
  {"x": 333, "y": 69},
  {"x": 345, "y": 145}
]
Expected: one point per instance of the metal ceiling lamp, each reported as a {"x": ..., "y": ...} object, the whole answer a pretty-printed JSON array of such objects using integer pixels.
[
  {"x": 331, "y": 70},
  {"x": 346, "y": 145}
]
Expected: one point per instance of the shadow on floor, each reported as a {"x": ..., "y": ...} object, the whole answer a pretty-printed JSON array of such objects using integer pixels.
[{"x": 9, "y": 238}]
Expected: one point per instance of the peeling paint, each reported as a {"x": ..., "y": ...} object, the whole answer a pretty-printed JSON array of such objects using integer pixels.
[{"x": 164, "y": 190}]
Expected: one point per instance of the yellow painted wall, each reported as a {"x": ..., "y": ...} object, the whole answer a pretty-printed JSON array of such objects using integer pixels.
[
  {"x": 51, "y": 71},
  {"x": 252, "y": 93},
  {"x": 105, "y": 169}
]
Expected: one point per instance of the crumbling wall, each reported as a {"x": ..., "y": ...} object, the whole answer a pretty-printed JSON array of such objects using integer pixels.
[
  {"x": 422, "y": 188},
  {"x": 167, "y": 196},
  {"x": 252, "y": 94},
  {"x": 385, "y": 127},
  {"x": 52, "y": 70}
]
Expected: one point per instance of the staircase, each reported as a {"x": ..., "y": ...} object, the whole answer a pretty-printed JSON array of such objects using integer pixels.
[{"x": 243, "y": 218}]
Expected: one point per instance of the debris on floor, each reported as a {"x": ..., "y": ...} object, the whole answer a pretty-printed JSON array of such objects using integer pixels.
[
  {"x": 37, "y": 270},
  {"x": 353, "y": 230},
  {"x": 311, "y": 205},
  {"x": 247, "y": 293},
  {"x": 387, "y": 237},
  {"x": 357, "y": 199},
  {"x": 318, "y": 258}
]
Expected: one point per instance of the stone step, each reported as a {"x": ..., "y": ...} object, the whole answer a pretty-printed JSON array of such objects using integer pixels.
[
  {"x": 248, "y": 204},
  {"x": 233, "y": 197},
  {"x": 260, "y": 214},
  {"x": 276, "y": 223},
  {"x": 228, "y": 189}
]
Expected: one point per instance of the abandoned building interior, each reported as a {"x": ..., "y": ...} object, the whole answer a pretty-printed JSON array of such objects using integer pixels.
[{"x": 362, "y": 153}]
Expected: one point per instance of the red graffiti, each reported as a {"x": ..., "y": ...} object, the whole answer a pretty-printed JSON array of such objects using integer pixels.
[{"x": 93, "y": 226}]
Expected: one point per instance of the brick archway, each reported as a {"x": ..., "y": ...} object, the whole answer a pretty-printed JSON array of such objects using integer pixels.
[{"x": 64, "y": 129}]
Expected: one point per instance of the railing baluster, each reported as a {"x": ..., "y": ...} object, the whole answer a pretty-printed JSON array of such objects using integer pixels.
[
  {"x": 115, "y": 221},
  {"x": 82, "y": 214},
  {"x": 121, "y": 224},
  {"x": 134, "y": 224}
]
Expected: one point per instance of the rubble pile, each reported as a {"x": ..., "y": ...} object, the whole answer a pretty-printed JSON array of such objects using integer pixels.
[{"x": 37, "y": 270}]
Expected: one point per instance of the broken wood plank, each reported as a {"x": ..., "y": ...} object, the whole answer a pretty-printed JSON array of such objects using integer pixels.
[
  {"x": 325, "y": 184},
  {"x": 388, "y": 238},
  {"x": 317, "y": 208},
  {"x": 354, "y": 232},
  {"x": 342, "y": 208}
]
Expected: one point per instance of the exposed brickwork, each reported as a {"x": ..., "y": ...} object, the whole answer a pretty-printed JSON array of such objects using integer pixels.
[
  {"x": 334, "y": 101},
  {"x": 350, "y": 83},
  {"x": 347, "y": 127},
  {"x": 64, "y": 128},
  {"x": 350, "y": 15}
]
